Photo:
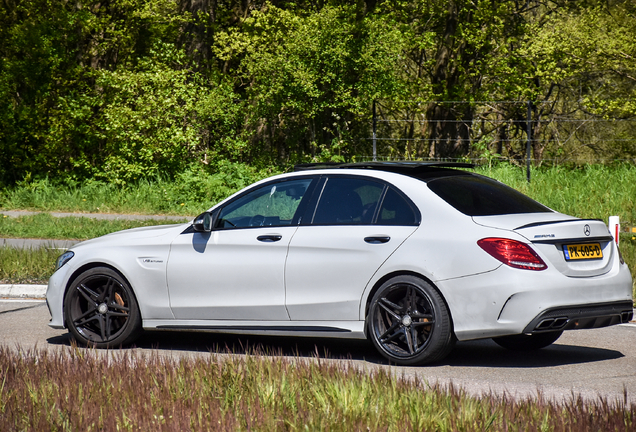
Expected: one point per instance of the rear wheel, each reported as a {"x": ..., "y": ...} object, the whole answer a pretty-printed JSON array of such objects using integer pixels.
[
  {"x": 525, "y": 342},
  {"x": 100, "y": 309},
  {"x": 409, "y": 322}
]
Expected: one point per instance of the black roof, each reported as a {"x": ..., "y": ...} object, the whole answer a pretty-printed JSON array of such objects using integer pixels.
[{"x": 410, "y": 168}]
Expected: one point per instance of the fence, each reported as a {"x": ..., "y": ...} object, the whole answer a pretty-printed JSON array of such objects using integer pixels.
[{"x": 522, "y": 132}]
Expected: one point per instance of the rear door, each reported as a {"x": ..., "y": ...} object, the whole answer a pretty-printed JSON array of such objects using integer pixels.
[{"x": 355, "y": 224}]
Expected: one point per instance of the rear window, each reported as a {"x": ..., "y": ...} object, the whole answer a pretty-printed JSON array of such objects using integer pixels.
[{"x": 481, "y": 196}]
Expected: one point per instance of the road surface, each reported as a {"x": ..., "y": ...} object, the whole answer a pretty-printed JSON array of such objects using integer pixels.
[{"x": 591, "y": 363}]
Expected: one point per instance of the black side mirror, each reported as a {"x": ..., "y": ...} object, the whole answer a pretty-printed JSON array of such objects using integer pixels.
[{"x": 203, "y": 222}]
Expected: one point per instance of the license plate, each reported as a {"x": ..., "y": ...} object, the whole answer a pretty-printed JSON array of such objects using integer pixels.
[{"x": 582, "y": 251}]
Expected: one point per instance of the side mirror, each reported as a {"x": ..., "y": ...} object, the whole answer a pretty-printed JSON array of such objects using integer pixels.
[{"x": 202, "y": 223}]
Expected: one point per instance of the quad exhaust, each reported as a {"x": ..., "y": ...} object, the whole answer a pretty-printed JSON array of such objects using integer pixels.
[{"x": 585, "y": 317}]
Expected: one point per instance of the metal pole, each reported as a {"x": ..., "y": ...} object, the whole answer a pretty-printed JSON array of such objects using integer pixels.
[
  {"x": 375, "y": 154},
  {"x": 529, "y": 144}
]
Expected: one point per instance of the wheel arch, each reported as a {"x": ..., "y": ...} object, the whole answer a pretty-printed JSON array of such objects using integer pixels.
[
  {"x": 89, "y": 266},
  {"x": 391, "y": 275}
]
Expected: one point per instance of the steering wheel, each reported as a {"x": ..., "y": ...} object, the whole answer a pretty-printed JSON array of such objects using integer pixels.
[{"x": 257, "y": 220}]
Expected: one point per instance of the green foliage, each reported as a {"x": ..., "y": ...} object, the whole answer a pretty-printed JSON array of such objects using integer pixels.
[
  {"x": 313, "y": 76},
  {"x": 131, "y": 90},
  {"x": 193, "y": 190}
]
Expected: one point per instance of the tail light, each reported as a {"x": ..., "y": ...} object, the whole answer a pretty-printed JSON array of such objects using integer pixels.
[{"x": 513, "y": 253}]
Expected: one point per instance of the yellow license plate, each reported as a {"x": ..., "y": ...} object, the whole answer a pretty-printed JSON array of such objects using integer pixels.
[{"x": 582, "y": 251}]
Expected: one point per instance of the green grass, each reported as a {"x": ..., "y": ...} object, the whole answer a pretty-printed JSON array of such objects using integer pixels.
[
  {"x": 591, "y": 192},
  {"x": 81, "y": 390},
  {"x": 45, "y": 226},
  {"x": 27, "y": 266},
  {"x": 191, "y": 193}
]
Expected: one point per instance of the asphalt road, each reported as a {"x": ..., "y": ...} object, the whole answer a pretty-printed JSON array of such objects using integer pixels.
[{"x": 590, "y": 363}]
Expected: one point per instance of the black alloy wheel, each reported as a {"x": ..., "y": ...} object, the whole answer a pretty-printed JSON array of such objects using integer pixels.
[
  {"x": 100, "y": 309},
  {"x": 528, "y": 342},
  {"x": 409, "y": 322}
]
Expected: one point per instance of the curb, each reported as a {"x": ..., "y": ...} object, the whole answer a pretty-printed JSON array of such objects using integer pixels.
[
  {"x": 19, "y": 291},
  {"x": 22, "y": 243}
]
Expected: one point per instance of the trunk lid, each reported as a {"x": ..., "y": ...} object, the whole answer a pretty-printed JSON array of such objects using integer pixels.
[{"x": 575, "y": 247}]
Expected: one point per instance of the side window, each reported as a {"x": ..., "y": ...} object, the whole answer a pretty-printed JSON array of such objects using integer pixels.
[
  {"x": 395, "y": 210},
  {"x": 347, "y": 201},
  {"x": 271, "y": 205}
]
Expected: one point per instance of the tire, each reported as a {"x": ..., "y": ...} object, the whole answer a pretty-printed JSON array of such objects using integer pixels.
[
  {"x": 100, "y": 309},
  {"x": 409, "y": 323},
  {"x": 525, "y": 342}
]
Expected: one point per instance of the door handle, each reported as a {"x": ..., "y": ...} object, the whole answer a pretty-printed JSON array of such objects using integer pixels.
[
  {"x": 377, "y": 239},
  {"x": 269, "y": 238}
]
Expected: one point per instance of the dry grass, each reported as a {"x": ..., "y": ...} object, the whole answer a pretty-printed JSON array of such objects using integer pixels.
[{"x": 76, "y": 390}]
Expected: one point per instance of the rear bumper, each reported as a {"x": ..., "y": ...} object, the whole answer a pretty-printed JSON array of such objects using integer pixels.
[
  {"x": 509, "y": 301},
  {"x": 581, "y": 317}
]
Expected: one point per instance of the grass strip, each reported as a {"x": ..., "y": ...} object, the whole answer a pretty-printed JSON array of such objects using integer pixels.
[
  {"x": 595, "y": 191},
  {"x": 45, "y": 226},
  {"x": 27, "y": 266},
  {"x": 81, "y": 390}
]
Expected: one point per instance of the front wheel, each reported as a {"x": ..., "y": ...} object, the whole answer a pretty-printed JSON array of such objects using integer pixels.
[
  {"x": 409, "y": 323},
  {"x": 100, "y": 309},
  {"x": 529, "y": 342}
]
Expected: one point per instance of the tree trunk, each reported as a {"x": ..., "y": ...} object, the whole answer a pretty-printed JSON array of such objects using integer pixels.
[{"x": 449, "y": 123}]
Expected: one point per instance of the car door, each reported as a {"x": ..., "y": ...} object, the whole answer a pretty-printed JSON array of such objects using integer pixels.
[
  {"x": 357, "y": 224},
  {"x": 236, "y": 272}
]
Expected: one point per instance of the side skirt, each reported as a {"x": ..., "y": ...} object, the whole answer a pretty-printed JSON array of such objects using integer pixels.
[{"x": 329, "y": 329}]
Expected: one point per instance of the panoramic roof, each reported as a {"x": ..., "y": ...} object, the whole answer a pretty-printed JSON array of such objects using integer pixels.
[{"x": 414, "y": 169}]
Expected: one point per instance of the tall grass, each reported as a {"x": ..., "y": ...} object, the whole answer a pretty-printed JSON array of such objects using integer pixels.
[
  {"x": 27, "y": 266},
  {"x": 79, "y": 390},
  {"x": 191, "y": 193},
  {"x": 591, "y": 192}
]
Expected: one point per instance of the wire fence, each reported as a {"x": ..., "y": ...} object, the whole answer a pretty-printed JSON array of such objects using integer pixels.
[{"x": 521, "y": 132}]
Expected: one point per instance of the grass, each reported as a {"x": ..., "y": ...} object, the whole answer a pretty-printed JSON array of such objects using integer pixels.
[
  {"x": 592, "y": 192},
  {"x": 27, "y": 266},
  {"x": 191, "y": 193},
  {"x": 45, "y": 226},
  {"x": 80, "y": 390}
]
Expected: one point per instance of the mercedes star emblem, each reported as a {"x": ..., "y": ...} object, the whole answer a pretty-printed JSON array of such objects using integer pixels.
[{"x": 586, "y": 230}]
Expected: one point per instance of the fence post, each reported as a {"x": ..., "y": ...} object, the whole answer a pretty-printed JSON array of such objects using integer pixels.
[
  {"x": 375, "y": 154},
  {"x": 529, "y": 144},
  {"x": 614, "y": 227}
]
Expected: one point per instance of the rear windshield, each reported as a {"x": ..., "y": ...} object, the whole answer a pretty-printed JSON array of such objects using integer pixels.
[{"x": 481, "y": 196}]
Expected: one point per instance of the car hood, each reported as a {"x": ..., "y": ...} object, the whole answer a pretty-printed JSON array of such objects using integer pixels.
[{"x": 135, "y": 235}]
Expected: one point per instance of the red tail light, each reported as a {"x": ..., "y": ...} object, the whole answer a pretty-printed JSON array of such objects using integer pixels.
[{"x": 513, "y": 253}]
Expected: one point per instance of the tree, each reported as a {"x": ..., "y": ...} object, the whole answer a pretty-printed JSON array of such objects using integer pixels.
[{"x": 311, "y": 77}]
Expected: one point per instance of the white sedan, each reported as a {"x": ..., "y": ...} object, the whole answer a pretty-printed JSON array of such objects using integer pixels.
[{"x": 413, "y": 256}]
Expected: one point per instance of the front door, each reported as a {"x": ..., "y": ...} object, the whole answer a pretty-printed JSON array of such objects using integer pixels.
[{"x": 236, "y": 272}]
